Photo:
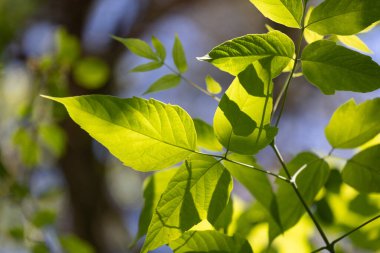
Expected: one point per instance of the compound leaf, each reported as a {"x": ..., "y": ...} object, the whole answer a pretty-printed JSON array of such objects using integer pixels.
[
  {"x": 144, "y": 134},
  {"x": 198, "y": 191},
  {"x": 285, "y": 12},
  {"x": 362, "y": 171},
  {"x": 331, "y": 67},
  {"x": 344, "y": 17},
  {"x": 210, "y": 241},
  {"x": 235, "y": 55},
  {"x": 353, "y": 125}
]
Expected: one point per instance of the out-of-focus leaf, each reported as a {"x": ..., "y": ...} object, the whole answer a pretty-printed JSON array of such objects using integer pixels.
[
  {"x": 73, "y": 244},
  {"x": 44, "y": 218},
  {"x": 28, "y": 147},
  {"x": 160, "y": 48},
  {"x": 138, "y": 47},
  {"x": 212, "y": 85},
  {"x": 68, "y": 48},
  {"x": 225, "y": 218},
  {"x": 53, "y": 137},
  {"x": 147, "y": 66},
  {"x": 17, "y": 233},
  {"x": 206, "y": 136},
  {"x": 164, "y": 83},
  {"x": 362, "y": 205},
  {"x": 179, "y": 56},
  {"x": 362, "y": 171},
  {"x": 161, "y": 135},
  {"x": 91, "y": 73}
]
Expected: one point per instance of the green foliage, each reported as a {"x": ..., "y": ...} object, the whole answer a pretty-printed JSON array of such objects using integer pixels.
[
  {"x": 362, "y": 171},
  {"x": 341, "y": 68},
  {"x": 91, "y": 73},
  {"x": 353, "y": 125},
  {"x": 344, "y": 17},
  {"x": 166, "y": 131},
  {"x": 189, "y": 207}
]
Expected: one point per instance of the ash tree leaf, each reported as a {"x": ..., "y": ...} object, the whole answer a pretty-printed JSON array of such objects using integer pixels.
[
  {"x": 160, "y": 48},
  {"x": 308, "y": 34},
  {"x": 198, "y": 191},
  {"x": 331, "y": 67},
  {"x": 206, "y": 136},
  {"x": 212, "y": 85},
  {"x": 144, "y": 134},
  {"x": 362, "y": 171},
  {"x": 310, "y": 179},
  {"x": 353, "y": 125},
  {"x": 154, "y": 186},
  {"x": 179, "y": 56},
  {"x": 147, "y": 66},
  {"x": 354, "y": 42},
  {"x": 210, "y": 241},
  {"x": 343, "y": 17},
  {"x": 242, "y": 119},
  {"x": 285, "y": 12},
  {"x": 138, "y": 47},
  {"x": 235, "y": 55},
  {"x": 164, "y": 83}
]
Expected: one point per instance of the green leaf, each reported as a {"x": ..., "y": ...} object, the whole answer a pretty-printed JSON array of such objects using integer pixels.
[
  {"x": 154, "y": 186},
  {"x": 285, "y": 12},
  {"x": 212, "y": 86},
  {"x": 53, "y": 137},
  {"x": 242, "y": 119},
  {"x": 308, "y": 34},
  {"x": 44, "y": 218},
  {"x": 353, "y": 125},
  {"x": 138, "y": 47},
  {"x": 235, "y": 55},
  {"x": 17, "y": 233},
  {"x": 73, "y": 244},
  {"x": 355, "y": 42},
  {"x": 210, "y": 241},
  {"x": 331, "y": 67},
  {"x": 164, "y": 83},
  {"x": 160, "y": 48},
  {"x": 206, "y": 136},
  {"x": 147, "y": 66},
  {"x": 28, "y": 147},
  {"x": 200, "y": 190},
  {"x": 68, "y": 47},
  {"x": 91, "y": 73},
  {"x": 362, "y": 171},
  {"x": 225, "y": 218},
  {"x": 344, "y": 17},
  {"x": 179, "y": 56},
  {"x": 312, "y": 173},
  {"x": 144, "y": 134}
]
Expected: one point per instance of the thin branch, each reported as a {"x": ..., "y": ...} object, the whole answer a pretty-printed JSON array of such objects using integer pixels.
[
  {"x": 192, "y": 83},
  {"x": 318, "y": 226}
]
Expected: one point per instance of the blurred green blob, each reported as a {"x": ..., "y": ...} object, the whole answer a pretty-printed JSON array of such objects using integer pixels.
[
  {"x": 334, "y": 181},
  {"x": 27, "y": 146},
  {"x": 40, "y": 248},
  {"x": 324, "y": 212},
  {"x": 361, "y": 204},
  {"x": 68, "y": 47},
  {"x": 72, "y": 244},
  {"x": 91, "y": 73},
  {"x": 16, "y": 233},
  {"x": 44, "y": 218},
  {"x": 53, "y": 137}
]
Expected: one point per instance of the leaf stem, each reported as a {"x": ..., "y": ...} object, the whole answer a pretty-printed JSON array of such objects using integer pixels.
[
  {"x": 192, "y": 83},
  {"x": 349, "y": 233},
  {"x": 295, "y": 188}
]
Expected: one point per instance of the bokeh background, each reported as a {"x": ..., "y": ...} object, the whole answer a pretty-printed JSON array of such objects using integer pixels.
[{"x": 58, "y": 186}]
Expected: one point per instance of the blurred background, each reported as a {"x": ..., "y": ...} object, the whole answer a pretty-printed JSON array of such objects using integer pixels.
[{"x": 60, "y": 191}]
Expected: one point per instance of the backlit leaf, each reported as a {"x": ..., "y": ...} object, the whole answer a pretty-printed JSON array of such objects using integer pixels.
[
  {"x": 212, "y": 85},
  {"x": 362, "y": 171},
  {"x": 285, "y": 12},
  {"x": 164, "y": 83},
  {"x": 354, "y": 42},
  {"x": 206, "y": 136},
  {"x": 344, "y": 17},
  {"x": 144, "y": 134},
  {"x": 138, "y": 47},
  {"x": 147, "y": 66},
  {"x": 154, "y": 186},
  {"x": 309, "y": 35},
  {"x": 179, "y": 56},
  {"x": 160, "y": 48},
  {"x": 242, "y": 119},
  {"x": 312, "y": 177},
  {"x": 353, "y": 125},
  {"x": 331, "y": 67},
  {"x": 210, "y": 241},
  {"x": 200, "y": 190},
  {"x": 235, "y": 55}
]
